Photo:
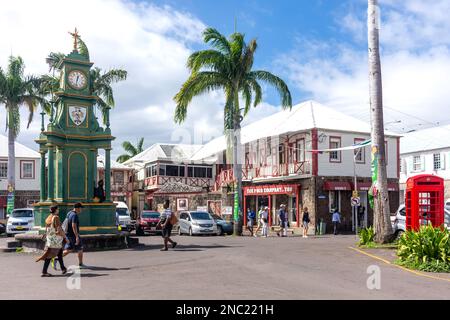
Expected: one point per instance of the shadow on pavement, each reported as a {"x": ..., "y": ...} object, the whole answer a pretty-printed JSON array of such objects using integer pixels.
[
  {"x": 181, "y": 247},
  {"x": 94, "y": 268}
]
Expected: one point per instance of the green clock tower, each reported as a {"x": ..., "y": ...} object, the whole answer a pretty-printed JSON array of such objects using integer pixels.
[{"x": 70, "y": 146}]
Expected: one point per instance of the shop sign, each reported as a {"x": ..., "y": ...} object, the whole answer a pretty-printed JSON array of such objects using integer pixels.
[{"x": 270, "y": 189}]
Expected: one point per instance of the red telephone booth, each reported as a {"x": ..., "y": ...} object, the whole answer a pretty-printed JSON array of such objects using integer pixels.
[{"x": 424, "y": 201}]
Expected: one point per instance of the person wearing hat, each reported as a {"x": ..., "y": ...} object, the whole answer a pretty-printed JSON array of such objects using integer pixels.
[
  {"x": 74, "y": 243},
  {"x": 282, "y": 219}
]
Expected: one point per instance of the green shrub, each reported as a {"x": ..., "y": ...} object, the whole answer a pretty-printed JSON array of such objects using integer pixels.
[
  {"x": 366, "y": 236},
  {"x": 425, "y": 250}
]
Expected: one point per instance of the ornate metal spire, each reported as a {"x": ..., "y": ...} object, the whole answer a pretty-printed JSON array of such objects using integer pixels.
[{"x": 75, "y": 36}]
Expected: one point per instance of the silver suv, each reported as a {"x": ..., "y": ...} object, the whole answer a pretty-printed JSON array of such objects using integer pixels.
[{"x": 196, "y": 222}]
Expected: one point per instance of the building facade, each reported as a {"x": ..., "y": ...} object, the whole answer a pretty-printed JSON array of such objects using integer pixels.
[
  {"x": 166, "y": 172},
  {"x": 425, "y": 152},
  {"x": 28, "y": 164},
  {"x": 281, "y": 165}
]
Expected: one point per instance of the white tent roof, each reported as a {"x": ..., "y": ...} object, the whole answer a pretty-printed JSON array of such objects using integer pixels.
[
  {"x": 164, "y": 151},
  {"x": 114, "y": 164},
  {"x": 304, "y": 116},
  {"x": 20, "y": 150},
  {"x": 427, "y": 139}
]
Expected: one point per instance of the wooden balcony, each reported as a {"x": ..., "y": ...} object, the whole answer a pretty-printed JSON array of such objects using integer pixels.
[
  {"x": 158, "y": 181},
  {"x": 250, "y": 173}
]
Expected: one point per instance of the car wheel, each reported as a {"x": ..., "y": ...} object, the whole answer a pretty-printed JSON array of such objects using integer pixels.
[
  {"x": 219, "y": 230},
  {"x": 190, "y": 232}
]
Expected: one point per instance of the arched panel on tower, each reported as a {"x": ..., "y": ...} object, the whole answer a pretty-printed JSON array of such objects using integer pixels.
[{"x": 77, "y": 176}]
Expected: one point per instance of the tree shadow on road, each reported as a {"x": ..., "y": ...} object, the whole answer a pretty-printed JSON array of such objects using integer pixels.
[
  {"x": 94, "y": 268},
  {"x": 181, "y": 247}
]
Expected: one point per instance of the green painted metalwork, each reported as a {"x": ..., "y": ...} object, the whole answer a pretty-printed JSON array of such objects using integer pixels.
[{"x": 71, "y": 141}]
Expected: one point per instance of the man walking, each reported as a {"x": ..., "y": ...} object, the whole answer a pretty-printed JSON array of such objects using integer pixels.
[
  {"x": 282, "y": 219},
  {"x": 168, "y": 219},
  {"x": 73, "y": 234},
  {"x": 336, "y": 220},
  {"x": 250, "y": 220},
  {"x": 265, "y": 222}
]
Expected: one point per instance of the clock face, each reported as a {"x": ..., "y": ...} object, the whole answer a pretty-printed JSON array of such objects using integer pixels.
[{"x": 77, "y": 79}]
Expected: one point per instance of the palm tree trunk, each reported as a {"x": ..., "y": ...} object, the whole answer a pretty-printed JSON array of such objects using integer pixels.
[
  {"x": 11, "y": 159},
  {"x": 237, "y": 163},
  {"x": 382, "y": 223}
]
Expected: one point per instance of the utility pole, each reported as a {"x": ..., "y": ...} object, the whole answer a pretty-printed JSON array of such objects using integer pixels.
[{"x": 379, "y": 190}]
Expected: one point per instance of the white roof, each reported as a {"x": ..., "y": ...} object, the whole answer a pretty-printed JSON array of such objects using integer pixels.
[
  {"x": 20, "y": 150},
  {"x": 302, "y": 117},
  {"x": 427, "y": 139},
  {"x": 114, "y": 164},
  {"x": 164, "y": 151}
]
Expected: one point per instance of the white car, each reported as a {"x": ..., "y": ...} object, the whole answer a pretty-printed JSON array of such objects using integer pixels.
[
  {"x": 124, "y": 216},
  {"x": 20, "y": 221},
  {"x": 399, "y": 220}
]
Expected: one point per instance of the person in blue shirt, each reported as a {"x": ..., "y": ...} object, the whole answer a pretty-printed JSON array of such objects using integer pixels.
[
  {"x": 282, "y": 219},
  {"x": 251, "y": 215},
  {"x": 336, "y": 220},
  {"x": 73, "y": 234}
]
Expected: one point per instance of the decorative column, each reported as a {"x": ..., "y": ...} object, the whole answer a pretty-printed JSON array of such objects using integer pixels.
[
  {"x": 108, "y": 175},
  {"x": 43, "y": 193},
  {"x": 51, "y": 173}
]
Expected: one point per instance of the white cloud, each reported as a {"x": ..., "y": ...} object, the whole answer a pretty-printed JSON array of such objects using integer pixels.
[
  {"x": 152, "y": 43},
  {"x": 415, "y": 45}
]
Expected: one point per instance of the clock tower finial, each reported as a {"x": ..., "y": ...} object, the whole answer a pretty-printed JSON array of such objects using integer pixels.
[{"x": 75, "y": 36}]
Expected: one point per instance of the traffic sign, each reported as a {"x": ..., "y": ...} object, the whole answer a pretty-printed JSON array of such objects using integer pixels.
[{"x": 355, "y": 201}]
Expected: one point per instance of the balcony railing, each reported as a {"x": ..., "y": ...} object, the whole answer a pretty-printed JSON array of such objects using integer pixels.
[
  {"x": 158, "y": 181},
  {"x": 249, "y": 173}
]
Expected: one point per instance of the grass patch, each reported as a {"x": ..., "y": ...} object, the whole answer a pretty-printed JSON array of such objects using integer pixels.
[
  {"x": 374, "y": 245},
  {"x": 429, "y": 266}
]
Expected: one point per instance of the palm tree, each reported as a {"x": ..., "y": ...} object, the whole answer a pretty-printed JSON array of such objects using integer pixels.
[
  {"x": 17, "y": 90},
  {"x": 228, "y": 66},
  {"x": 379, "y": 190},
  {"x": 100, "y": 81},
  {"x": 131, "y": 150}
]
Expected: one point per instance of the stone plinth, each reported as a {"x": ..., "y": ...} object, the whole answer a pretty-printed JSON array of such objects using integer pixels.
[{"x": 91, "y": 242}]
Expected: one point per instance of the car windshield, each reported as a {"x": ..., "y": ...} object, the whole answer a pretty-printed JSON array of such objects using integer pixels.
[
  {"x": 152, "y": 215},
  {"x": 122, "y": 211},
  {"x": 22, "y": 214},
  {"x": 200, "y": 216}
]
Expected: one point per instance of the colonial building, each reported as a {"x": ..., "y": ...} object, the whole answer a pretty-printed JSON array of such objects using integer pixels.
[
  {"x": 121, "y": 177},
  {"x": 166, "y": 171},
  {"x": 27, "y": 175},
  {"x": 426, "y": 152},
  {"x": 279, "y": 167}
]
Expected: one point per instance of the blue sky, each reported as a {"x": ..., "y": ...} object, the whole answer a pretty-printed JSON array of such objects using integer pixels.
[
  {"x": 278, "y": 26},
  {"x": 317, "y": 46}
]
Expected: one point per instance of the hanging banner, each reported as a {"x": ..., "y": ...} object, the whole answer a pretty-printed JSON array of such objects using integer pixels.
[
  {"x": 10, "y": 203},
  {"x": 373, "y": 191},
  {"x": 352, "y": 147},
  {"x": 236, "y": 206}
]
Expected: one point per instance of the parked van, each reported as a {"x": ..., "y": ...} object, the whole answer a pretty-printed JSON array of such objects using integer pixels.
[{"x": 124, "y": 216}]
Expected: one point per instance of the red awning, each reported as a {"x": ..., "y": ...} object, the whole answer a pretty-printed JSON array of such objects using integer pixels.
[
  {"x": 364, "y": 186},
  {"x": 337, "y": 185},
  {"x": 393, "y": 187}
]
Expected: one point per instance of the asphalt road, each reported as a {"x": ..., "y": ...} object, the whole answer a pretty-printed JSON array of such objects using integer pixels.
[{"x": 222, "y": 268}]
